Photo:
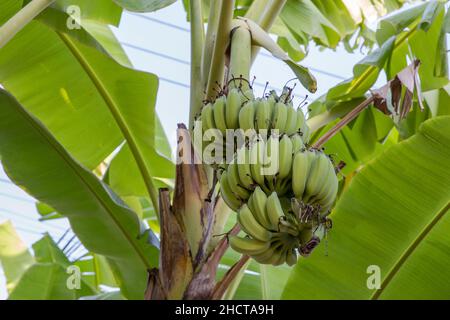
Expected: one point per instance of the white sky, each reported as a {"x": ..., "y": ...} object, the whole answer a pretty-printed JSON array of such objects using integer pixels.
[{"x": 173, "y": 99}]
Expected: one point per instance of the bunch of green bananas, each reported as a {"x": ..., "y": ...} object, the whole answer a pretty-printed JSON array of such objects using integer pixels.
[
  {"x": 279, "y": 222},
  {"x": 280, "y": 187},
  {"x": 240, "y": 110},
  {"x": 289, "y": 169},
  {"x": 266, "y": 164},
  {"x": 275, "y": 234},
  {"x": 314, "y": 179}
]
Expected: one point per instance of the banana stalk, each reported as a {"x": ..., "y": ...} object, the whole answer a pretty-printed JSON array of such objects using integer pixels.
[
  {"x": 217, "y": 67},
  {"x": 240, "y": 57},
  {"x": 197, "y": 39},
  {"x": 268, "y": 19},
  {"x": 210, "y": 40},
  {"x": 21, "y": 19}
]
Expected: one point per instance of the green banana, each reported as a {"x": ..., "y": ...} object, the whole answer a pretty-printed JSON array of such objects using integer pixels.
[
  {"x": 233, "y": 107},
  {"x": 301, "y": 122},
  {"x": 263, "y": 114},
  {"x": 286, "y": 149},
  {"x": 271, "y": 165},
  {"x": 207, "y": 118},
  {"x": 282, "y": 186},
  {"x": 257, "y": 204},
  {"x": 270, "y": 255},
  {"x": 280, "y": 116},
  {"x": 247, "y": 95},
  {"x": 247, "y": 245},
  {"x": 227, "y": 194},
  {"x": 327, "y": 184},
  {"x": 306, "y": 133},
  {"x": 219, "y": 114},
  {"x": 256, "y": 158},
  {"x": 252, "y": 227},
  {"x": 300, "y": 171},
  {"x": 291, "y": 257},
  {"x": 235, "y": 183},
  {"x": 328, "y": 199},
  {"x": 319, "y": 169},
  {"x": 274, "y": 210},
  {"x": 297, "y": 143},
  {"x": 279, "y": 256},
  {"x": 245, "y": 174},
  {"x": 247, "y": 116},
  {"x": 291, "y": 121}
]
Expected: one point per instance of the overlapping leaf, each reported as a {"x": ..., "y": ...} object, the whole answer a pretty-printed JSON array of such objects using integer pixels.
[
  {"x": 35, "y": 161},
  {"x": 401, "y": 226}
]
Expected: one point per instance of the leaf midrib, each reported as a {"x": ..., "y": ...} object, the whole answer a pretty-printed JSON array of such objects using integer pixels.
[
  {"x": 409, "y": 251},
  {"x": 115, "y": 111}
]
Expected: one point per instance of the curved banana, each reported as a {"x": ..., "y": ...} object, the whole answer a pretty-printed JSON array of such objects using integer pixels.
[
  {"x": 286, "y": 150},
  {"x": 219, "y": 114},
  {"x": 207, "y": 118},
  {"x": 274, "y": 210},
  {"x": 257, "y": 150},
  {"x": 248, "y": 246},
  {"x": 300, "y": 171},
  {"x": 247, "y": 95},
  {"x": 252, "y": 227},
  {"x": 271, "y": 255},
  {"x": 301, "y": 122},
  {"x": 291, "y": 257},
  {"x": 282, "y": 186},
  {"x": 306, "y": 133},
  {"x": 327, "y": 184},
  {"x": 227, "y": 194},
  {"x": 233, "y": 107},
  {"x": 328, "y": 200},
  {"x": 318, "y": 172},
  {"x": 257, "y": 204},
  {"x": 263, "y": 114},
  {"x": 235, "y": 183},
  {"x": 247, "y": 116},
  {"x": 297, "y": 143},
  {"x": 243, "y": 165},
  {"x": 271, "y": 165},
  {"x": 280, "y": 116},
  {"x": 291, "y": 121}
]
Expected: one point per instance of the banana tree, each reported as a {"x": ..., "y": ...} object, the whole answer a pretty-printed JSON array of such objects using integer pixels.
[{"x": 372, "y": 160}]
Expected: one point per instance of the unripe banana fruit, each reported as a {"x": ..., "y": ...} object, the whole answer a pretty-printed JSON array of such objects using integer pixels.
[
  {"x": 240, "y": 110},
  {"x": 281, "y": 189},
  {"x": 275, "y": 235}
]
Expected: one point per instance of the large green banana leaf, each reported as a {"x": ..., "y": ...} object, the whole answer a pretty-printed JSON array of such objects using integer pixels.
[
  {"x": 144, "y": 5},
  {"x": 43, "y": 281},
  {"x": 85, "y": 98},
  {"x": 35, "y": 160},
  {"x": 15, "y": 257},
  {"x": 394, "y": 216},
  {"x": 47, "y": 251}
]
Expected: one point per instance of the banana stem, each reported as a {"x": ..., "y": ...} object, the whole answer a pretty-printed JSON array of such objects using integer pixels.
[
  {"x": 197, "y": 39},
  {"x": 268, "y": 19},
  {"x": 211, "y": 34},
  {"x": 240, "y": 57},
  {"x": 345, "y": 120},
  {"x": 256, "y": 10},
  {"x": 271, "y": 14},
  {"x": 216, "y": 72},
  {"x": 21, "y": 19}
]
